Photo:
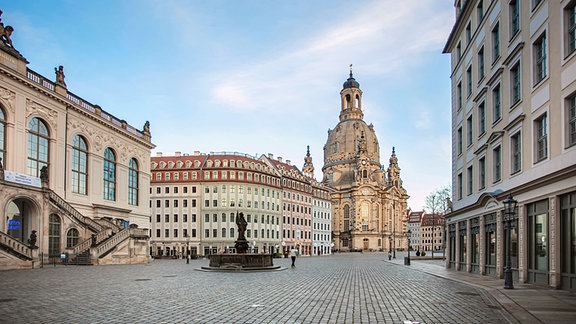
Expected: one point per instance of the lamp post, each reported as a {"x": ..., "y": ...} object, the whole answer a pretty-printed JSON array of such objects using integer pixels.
[
  {"x": 390, "y": 247},
  {"x": 509, "y": 213},
  {"x": 408, "y": 259},
  {"x": 187, "y": 248}
]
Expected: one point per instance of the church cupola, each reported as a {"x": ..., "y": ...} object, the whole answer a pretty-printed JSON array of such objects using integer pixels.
[
  {"x": 351, "y": 99},
  {"x": 308, "y": 168}
]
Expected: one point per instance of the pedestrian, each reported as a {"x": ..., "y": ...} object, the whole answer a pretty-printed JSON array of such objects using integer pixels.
[
  {"x": 293, "y": 254},
  {"x": 389, "y": 255}
]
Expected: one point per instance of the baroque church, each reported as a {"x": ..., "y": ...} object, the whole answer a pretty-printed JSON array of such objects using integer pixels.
[{"x": 369, "y": 203}]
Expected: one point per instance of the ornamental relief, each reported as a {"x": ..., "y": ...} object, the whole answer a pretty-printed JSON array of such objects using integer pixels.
[
  {"x": 7, "y": 97},
  {"x": 50, "y": 115}
]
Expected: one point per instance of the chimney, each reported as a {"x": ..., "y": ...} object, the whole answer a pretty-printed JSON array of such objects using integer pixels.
[
  {"x": 271, "y": 156},
  {"x": 280, "y": 159},
  {"x": 158, "y": 154},
  {"x": 196, "y": 153},
  {"x": 178, "y": 153},
  {"x": 288, "y": 162}
]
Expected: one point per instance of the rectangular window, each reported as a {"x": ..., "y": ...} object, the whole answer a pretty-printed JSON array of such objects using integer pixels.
[
  {"x": 496, "y": 104},
  {"x": 185, "y": 203},
  {"x": 166, "y": 218},
  {"x": 214, "y": 232},
  {"x": 481, "y": 118},
  {"x": 571, "y": 119},
  {"x": 166, "y": 233},
  {"x": 469, "y": 32},
  {"x": 459, "y": 50},
  {"x": 459, "y": 95},
  {"x": 570, "y": 21},
  {"x": 166, "y": 203},
  {"x": 175, "y": 232},
  {"x": 460, "y": 186},
  {"x": 481, "y": 64},
  {"x": 482, "y": 173},
  {"x": 540, "y": 59},
  {"x": 469, "y": 80},
  {"x": 175, "y": 203},
  {"x": 514, "y": 9},
  {"x": 496, "y": 42},
  {"x": 515, "y": 84},
  {"x": 497, "y": 163},
  {"x": 206, "y": 233},
  {"x": 175, "y": 218},
  {"x": 158, "y": 218},
  {"x": 480, "y": 10},
  {"x": 541, "y": 127},
  {"x": 193, "y": 232},
  {"x": 516, "y": 154},
  {"x": 469, "y": 130},
  {"x": 157, "y": 232},
  {"x": 206, "y": 203},
  {"x": 460, "y": 140},
  {"x": 470, "y": 177},
  {"x": 185, "y": 218}
]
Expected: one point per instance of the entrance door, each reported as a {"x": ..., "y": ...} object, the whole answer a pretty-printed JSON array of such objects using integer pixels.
[{"x": 365, "y": 244}]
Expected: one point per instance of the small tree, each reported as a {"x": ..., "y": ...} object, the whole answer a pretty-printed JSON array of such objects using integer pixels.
[{"x": 437, "y": 203}]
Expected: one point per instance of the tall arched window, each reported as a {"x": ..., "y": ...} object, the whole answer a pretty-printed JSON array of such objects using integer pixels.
[
  {"x": 72, "y": 238},
  {"x": 54, "y": 236},
  {"x": 38, "y": 146},
  {"x": 2, "y": 136},
  {"x": 109, "y": 176},
  {"x": 79, "y": 165},
  {"x": 133, "y": 182}
]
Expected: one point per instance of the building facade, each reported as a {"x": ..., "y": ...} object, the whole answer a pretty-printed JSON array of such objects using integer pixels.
[
  {"x": 514, "y": 135},
  {"x": 195, "y": 199},
  {"x": 414, "y": 223},
  {"x": 368, "y": 202},
  {"x": 73, "y": 178}
]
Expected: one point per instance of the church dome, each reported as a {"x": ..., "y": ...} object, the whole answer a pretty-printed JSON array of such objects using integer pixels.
[
  {"x": 344, "y": 140},
  {"x": 351, "y": 83}
]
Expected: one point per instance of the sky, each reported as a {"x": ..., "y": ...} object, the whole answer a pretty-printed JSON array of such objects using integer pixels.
[{"x": 256, "y": 76}]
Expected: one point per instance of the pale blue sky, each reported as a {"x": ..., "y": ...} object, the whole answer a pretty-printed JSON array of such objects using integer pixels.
[{"x": 256, "y": 77}]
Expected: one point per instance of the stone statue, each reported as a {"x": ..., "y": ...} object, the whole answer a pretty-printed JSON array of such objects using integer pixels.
[
  {"x": 44, "y": 174},
  {"x": 5, "y": 32},
  {"x": 32, "y": 240},
  {"x": 60, "y": 76},
  {"x": 241, "y": 243},
  {"x": 146, "y": 129}
]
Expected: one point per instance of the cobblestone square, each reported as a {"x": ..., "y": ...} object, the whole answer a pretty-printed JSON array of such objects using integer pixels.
[{"x": 343, "y": 288}]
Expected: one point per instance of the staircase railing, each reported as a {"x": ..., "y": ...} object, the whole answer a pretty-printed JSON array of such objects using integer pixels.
[
  {"x": 16, "y": 246},
  {"x": 113, "y": 241},
  {"x": 108, "y": 223},
  {"x": 87, "y": 243},
  {"x": 92, "y": 225}
]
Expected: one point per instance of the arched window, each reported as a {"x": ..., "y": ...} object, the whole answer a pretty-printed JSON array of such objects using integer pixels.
[
  {"x": 2, "y": 136},
  {"x": 109, "y": 176},
  {"x": 79, "y": 165},
  {"x": 133, "y": 182},
  {"x": 346, "y": 211},
  {"x": 223, "y": 232},
  {"x": 38, "y": 146},
  {"x": 348, "y": 101},
  {"x": 54, "y": 236},
  {"x": 71, "y": 238}
]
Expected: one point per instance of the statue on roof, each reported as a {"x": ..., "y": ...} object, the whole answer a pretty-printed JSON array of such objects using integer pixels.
[
  {"x": 60, "y": 76},
  {"x": 5, "y": 32}
]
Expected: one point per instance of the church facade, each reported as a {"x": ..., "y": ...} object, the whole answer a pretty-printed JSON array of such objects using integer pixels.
[{"x": 368, "y": 201}]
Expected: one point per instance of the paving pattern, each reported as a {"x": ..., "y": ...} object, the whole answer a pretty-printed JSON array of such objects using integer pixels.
[{"x": 343, "y": 288}]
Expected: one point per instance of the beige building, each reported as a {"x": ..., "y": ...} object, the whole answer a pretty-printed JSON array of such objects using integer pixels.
[
  {"x": 195, "y": 199},
  {"x": 73, "y": 178},
  {"x": 368, "y": 202},
  {"x": 514, "y": 134}
]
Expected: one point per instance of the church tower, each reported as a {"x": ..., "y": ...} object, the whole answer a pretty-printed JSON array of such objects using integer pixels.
[
  {"x": 369, "y": 203},
  {"x": 308, "y": 168}
]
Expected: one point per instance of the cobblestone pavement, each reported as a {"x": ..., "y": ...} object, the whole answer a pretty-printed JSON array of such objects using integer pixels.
[{"x": 343, "y": 288}]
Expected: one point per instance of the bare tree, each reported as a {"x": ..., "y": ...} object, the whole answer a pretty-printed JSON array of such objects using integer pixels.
[{"x": 436, "y": 203}]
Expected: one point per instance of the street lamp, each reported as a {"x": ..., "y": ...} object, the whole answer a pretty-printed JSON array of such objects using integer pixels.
[
  {"x": 390, "y": 247},
  {"x": 187, "y": 248},
  {"x": 408, "y": 259},
  {"x": 509, "y": 214}
]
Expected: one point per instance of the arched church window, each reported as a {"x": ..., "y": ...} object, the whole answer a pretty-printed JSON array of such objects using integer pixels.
[
  {"x": 71, "y": 238},
  {"x": 79, "y": 165},
  {"x": 346, "y": 211},
  {"x": 38, "y": 146},
  {"x": 348, "y": 101},
  {"x": 133, "y": 182},
  {"x": 109, "y": 176},
  {"x": 357, "y": 101},
  {"x": 364, "y": 174}
]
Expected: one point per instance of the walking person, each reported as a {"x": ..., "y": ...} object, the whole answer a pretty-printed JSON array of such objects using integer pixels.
[{"x": 293, "y": 254}]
